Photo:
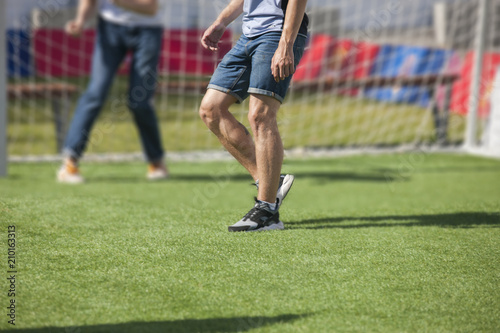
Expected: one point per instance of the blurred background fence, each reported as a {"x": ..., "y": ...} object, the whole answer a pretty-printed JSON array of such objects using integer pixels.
[{"x": 376, "y": 73}]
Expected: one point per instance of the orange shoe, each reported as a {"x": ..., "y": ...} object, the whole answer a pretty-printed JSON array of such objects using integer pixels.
[
  {"x": 157, "y": 171},
  {"x": 69, "y": 173}
]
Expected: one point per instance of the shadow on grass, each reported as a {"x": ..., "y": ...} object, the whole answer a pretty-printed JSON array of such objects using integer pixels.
[
  {"x": 454, "y": 220},
  {"x": 323, "y": 176},
  {"x": 320, "y": 177},
  {"x": 212, "y": 325},
  {"x": 175, "y": 177},
  {"x": 445, "y": 169}
]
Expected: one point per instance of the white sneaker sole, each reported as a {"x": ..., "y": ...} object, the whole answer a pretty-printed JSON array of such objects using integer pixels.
[
  {"x": 276, "y": 226},
  {"x": 157, "y": 176},
  {"x": 65, "y": 178}
]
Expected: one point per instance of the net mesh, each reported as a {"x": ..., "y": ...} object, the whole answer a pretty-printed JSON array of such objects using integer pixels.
[{"x": 375, "y": 73}]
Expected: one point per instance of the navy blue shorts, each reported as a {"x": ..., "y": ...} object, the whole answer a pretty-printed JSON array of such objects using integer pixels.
[{"x": 246, "y": 69}]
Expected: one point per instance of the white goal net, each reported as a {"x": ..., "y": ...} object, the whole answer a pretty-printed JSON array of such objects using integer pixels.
[{"x": 376, "y": 73}]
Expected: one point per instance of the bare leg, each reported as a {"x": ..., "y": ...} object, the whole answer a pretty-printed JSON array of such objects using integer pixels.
[
  {"x": 232, "y": 134},
  {"x": 268, "y": 144}
]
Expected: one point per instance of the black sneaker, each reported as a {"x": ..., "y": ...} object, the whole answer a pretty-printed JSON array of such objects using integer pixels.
[
  {"x": 259, "y": 218},
  {"x": 286, "y": 182}
]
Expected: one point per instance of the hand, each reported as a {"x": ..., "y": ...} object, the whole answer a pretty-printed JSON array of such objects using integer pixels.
[
  {"x": 282, "y": 64},
  {"x": 211, "y": 37},
  {"x": 74, "y": 28}
]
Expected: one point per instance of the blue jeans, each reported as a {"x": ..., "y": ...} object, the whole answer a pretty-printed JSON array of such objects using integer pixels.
[
  {"x": 113, "y": 41},
  {"x": 246, "y": 69}
]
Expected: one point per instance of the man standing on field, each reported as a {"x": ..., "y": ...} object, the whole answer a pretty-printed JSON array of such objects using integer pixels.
[
  {"x": 123, "y": 26},
  {"x": 260, "y": 65}
]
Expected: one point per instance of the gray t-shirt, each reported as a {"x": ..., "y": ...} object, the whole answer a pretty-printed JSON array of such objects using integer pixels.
[{"x": 261, "y": 16}]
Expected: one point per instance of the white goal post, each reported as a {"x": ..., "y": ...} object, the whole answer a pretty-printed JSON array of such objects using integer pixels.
[
  {"x": 471, "y": 130},
  {"x": 3, "y": 92}
]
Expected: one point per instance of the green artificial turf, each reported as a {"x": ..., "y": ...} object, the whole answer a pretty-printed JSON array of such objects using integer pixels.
[{"x": 388, "y": 243}]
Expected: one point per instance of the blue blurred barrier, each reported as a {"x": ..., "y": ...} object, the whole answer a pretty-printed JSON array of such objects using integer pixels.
[
  {"x": 18, "y": 53},
  {"x": 395, "y": 61}
]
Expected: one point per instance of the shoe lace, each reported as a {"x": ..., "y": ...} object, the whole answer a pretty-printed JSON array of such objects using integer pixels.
[
  {"x": 253, "y": 212},
  {"x": 256, "y": 212}
]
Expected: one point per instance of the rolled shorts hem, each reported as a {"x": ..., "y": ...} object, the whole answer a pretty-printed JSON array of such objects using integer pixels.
[
  {"x": 225, "y": 90},
  {"x": 266, "y": 93}
]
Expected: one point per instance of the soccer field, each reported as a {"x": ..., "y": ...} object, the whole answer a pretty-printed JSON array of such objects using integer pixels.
[{"x": 386, "y": 243}]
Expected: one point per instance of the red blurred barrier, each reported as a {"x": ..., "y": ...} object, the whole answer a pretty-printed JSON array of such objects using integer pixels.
[
  {"x": 461, "y": 88},
  {"x": 182, "y": 52},
  {"x": 338, "y": 58},
  {"x": 57, "y": 54}
]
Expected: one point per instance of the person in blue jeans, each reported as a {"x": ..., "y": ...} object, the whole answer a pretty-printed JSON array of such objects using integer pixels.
[
  {"x": 260, "y": 66},
  {"x": 123, "y": 26}
]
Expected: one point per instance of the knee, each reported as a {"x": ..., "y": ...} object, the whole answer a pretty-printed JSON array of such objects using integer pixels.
[
  {"x": 94, "y": 97},
  {"x": 210, "y": 114},
  {"x": 261, "y": 117},
  {"x": 140, "y": 103}
]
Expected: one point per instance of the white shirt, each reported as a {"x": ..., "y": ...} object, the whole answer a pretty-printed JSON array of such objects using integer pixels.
[{"x": 119, "y": 15}]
